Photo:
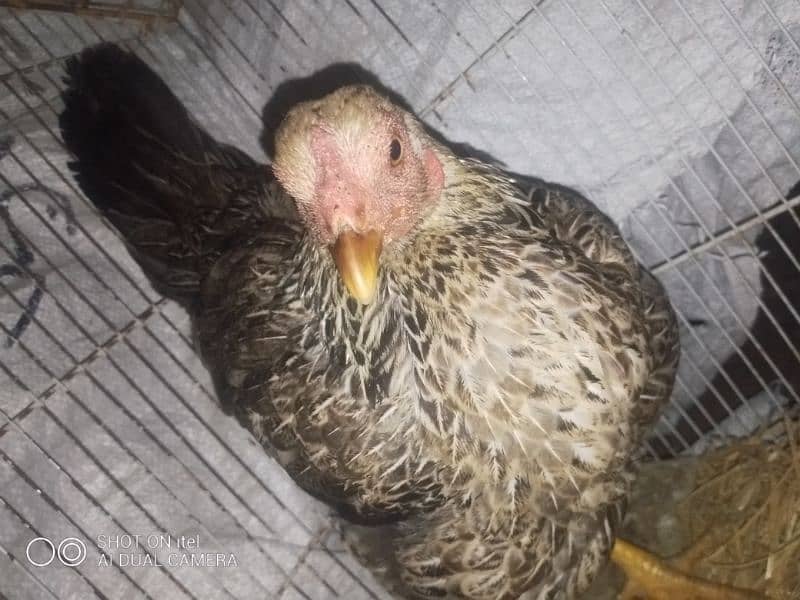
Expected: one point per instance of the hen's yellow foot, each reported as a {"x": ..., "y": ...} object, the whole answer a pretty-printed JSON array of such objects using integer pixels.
[{"x": 651, "y": 578}]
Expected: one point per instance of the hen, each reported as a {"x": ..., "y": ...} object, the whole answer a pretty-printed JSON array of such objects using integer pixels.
[{"x": 462, "y": 368}]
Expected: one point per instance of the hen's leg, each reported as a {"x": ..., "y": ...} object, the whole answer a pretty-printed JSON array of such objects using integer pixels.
[{"x": 659, "y": 581}]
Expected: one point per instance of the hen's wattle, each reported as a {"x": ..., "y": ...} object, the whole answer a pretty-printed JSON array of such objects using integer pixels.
[{"x": 478, "y": 417}]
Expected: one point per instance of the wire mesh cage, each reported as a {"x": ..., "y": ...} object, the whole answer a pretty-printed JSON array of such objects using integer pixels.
[
  {"x": 143, "y": 10},
  {"x": 678, "y": 119}
]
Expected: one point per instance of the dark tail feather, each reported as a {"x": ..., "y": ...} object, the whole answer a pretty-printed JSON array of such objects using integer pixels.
[{"x": 176, "y": 195}]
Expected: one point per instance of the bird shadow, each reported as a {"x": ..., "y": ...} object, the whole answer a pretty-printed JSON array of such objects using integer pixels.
[{"x": 328, "y": 79}]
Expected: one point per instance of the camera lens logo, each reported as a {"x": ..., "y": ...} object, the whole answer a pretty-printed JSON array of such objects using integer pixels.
[{"x": 41, "y": 552}]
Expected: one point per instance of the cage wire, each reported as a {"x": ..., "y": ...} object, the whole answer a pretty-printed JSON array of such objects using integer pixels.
[
  {"x": 678, "y": 119},
  {"x": 146, "y": 11}
]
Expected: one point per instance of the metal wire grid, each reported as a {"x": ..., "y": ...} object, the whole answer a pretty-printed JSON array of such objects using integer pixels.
[
  {"x": 111, "y": 369},
  {"x": 713, "y": 239},
  {"x": 148, "y": 11}
]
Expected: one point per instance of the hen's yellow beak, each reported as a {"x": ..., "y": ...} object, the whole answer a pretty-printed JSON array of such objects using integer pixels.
[{"x": 356, "y": 257}]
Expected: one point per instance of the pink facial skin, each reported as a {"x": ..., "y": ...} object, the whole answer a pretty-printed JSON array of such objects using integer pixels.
[{"x": 375, "y": 181}]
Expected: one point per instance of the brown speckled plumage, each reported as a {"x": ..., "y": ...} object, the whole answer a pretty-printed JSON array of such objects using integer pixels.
[{"x": 477, "y": 419}]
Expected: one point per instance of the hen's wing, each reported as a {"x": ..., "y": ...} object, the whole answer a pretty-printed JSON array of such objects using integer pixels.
[{"x": 573, "y": 219}]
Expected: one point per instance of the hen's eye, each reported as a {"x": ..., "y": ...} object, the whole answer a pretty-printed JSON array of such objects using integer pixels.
[{"x": 395, "y": 151}]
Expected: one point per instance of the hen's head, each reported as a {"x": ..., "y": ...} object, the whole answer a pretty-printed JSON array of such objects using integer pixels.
[{"x": 363, "y": 174}]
